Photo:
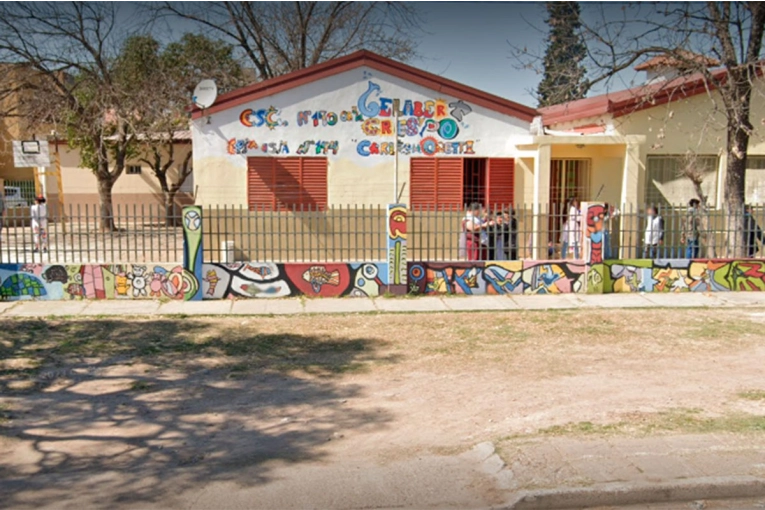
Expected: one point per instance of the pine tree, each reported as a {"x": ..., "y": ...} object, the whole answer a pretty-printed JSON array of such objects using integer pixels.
[{"x": 564, "y": 74}]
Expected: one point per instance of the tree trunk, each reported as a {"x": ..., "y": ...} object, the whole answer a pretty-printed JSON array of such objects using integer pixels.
[
  {"x": 172, "y": 219},
  {"x": 107, "y": 210},
  {"x": 735, "y": 181}
]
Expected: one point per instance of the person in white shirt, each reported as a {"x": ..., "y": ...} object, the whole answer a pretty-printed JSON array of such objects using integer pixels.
[
  {"x": 654, "y": 233},
  {"x": 39, "y": 213},
  {"x": 572, "y": 230}
]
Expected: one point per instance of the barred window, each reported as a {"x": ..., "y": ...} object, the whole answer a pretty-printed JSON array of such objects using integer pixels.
[{"x": 666, "y": 186}]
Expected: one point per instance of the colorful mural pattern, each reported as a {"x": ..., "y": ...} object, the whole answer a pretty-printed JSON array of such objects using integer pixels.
[
  {"x": 397, "y": 270},
  {"x": 683, "y": 275},
  {"x": 435, "y": 122},
  {"x": 269, "y": 280},
  {"x": 192, "y": 250},
  {"x": 514, "y": 277},
  {"x": 93, "y": 281},
  {"x": 593, "y": 233}
]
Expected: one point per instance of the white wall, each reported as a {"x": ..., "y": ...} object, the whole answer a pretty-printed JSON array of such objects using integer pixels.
[{"x": 346, "y": 135}]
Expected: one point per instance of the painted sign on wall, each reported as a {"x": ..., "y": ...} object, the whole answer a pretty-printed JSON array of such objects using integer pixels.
[{"x": 424, "y": 126}]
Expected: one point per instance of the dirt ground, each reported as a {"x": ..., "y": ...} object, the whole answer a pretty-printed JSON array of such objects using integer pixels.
[{"x": 153, "y": 412}]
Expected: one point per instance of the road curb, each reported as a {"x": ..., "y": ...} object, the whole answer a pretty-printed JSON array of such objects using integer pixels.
[{"x": 734, "y": 487}]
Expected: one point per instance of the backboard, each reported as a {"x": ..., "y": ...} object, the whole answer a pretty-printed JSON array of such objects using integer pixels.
[{"x": 30, "y": 153}]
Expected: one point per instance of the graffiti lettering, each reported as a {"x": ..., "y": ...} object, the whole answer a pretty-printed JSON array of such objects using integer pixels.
[
  {"x": 321, "y": 147},
  {"x": 427, "y": 146},
  {"x": 369, "y": 109},
  {"x": 256, "y": 118},
  {"x": 246, "y": 146}
]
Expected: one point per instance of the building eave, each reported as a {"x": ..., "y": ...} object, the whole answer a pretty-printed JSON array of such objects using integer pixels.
[{"x": 365, "y": 58}]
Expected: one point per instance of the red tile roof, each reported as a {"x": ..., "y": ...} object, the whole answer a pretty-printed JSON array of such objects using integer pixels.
[
  {"x": 670, "y": 61},
  {"x": 631, "y": 100},
  {"x": 372, "y": 60}
]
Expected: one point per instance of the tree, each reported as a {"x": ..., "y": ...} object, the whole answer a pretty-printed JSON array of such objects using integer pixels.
[
  {"x": 564, "y": 73},
  {"x": 679, "y": 33},
  {"x": 286, "y": 36},
  {"x": 68, "y": 51},
  {"x": 166, "y": 79}
]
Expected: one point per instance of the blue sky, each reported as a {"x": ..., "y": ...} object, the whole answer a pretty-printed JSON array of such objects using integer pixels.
[{"x": 468, "y": 42}]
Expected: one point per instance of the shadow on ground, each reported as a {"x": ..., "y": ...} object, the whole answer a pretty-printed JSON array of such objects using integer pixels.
[{"x": 130, "y": 410}]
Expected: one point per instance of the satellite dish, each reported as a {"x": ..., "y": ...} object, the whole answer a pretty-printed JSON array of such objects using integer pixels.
[{"x": 205, "y": 94}]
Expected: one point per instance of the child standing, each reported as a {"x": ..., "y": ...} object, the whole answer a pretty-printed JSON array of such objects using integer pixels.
[{"x": 39, "y": 213}]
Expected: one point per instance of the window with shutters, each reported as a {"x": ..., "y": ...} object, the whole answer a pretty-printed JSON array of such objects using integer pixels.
[
  {"x": 287, "y": 183},
  {"x": 453, "y": 183}
]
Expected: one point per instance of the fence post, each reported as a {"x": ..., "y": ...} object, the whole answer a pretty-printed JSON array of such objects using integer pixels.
[
  {"x": 397, "y": 263},
  {"x": 192, "y": 251}
]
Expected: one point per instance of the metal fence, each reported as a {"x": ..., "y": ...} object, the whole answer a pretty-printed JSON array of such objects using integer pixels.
[
  {"x": 74, "y": 234},
  {"x": 718, "y": 233},
  {"x": 513, "y": 232},
  {"x": 359, "y": 233},
  {"x": 297, "y": 234}
]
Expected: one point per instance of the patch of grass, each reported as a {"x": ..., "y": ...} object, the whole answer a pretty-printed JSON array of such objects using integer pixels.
[
  {"x": 752, "y": 394},
  {"x": 681, "y": 421},
  {"x": 711, "y": 328}
]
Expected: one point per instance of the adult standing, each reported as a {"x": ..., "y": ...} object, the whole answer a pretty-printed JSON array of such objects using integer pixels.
[
  {"x": 572, "y": 230},
  {"x": 474, "y": 228},
  {"x": 692, "y": 229},
  {"x": 752, "y": 231},
  {"x": 654, "y": 233}
]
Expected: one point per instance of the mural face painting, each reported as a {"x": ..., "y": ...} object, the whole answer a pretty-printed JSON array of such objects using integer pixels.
[
  {"x": 515, "y": 277},
  {"x": 397, "y": 271},
  {"x": 268, "y": 280},
  {"x": 594, "y": 236},
  {"x": 93, "y": 281},
  {"x": 685, "y": 275}
]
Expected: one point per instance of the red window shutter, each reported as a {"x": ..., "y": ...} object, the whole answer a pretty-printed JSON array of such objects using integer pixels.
[
  {"x": 449, "y": 179},
  {"x": 284, "y": 183},
  {"x": 422, "y": 182},
  {"x": 260, "y": 183},
  {"x": 500, "y": 181},
  {"x": 314, "y": 183},
  {"x": 287, "y": 182}
]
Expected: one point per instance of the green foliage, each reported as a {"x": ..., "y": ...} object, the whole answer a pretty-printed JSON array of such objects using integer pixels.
[{"x": 564, "y": 73}]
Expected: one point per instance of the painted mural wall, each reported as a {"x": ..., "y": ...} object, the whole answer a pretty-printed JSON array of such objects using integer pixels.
[
  {"x": 351, "y": 118},
  {"x": 683, "y": 275},
  {"x": 94, "y": 281},
  {"x": 513, "y": 277},
  {"x": 268, "y": 280}
]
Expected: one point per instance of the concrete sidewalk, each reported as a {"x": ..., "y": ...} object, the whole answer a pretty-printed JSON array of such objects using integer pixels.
[{"x": 293, "y": 306}]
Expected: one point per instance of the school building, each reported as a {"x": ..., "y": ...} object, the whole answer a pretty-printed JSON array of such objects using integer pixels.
[{"x": 326, "y": 136}]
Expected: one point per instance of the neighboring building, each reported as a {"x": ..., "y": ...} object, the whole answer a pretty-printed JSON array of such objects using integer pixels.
[
  {"x": 643, "y": 136},
  {"x": 136, "y": 186},
  {"x": 326, "y": 136}
]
